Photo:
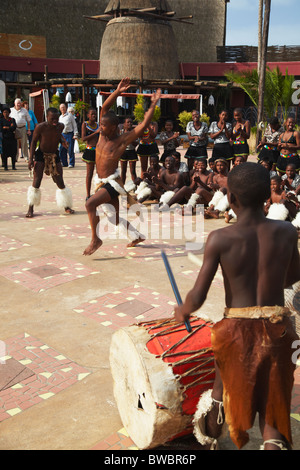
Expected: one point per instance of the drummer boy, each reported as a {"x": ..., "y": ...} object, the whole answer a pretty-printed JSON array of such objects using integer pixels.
[{"x": 252, "y": 344}]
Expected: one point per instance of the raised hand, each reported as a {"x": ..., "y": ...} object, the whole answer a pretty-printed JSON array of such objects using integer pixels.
[
  {"x": 123, "y": 85},
  {"x": 156, "y": 96}
]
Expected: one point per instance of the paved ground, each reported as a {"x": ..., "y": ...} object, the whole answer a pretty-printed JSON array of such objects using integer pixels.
[{"x": 60, "y": 310}]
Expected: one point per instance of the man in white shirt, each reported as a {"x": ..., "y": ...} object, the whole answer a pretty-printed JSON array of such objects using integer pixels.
[
  {"x": 70, "y": 133},
  {"x": 21, "y": 117}
]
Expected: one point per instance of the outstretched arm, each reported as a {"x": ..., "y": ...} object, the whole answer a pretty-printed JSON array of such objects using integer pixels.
[
  {"x": 121, "y": 88},
  {"x": 139, "y": 129}
]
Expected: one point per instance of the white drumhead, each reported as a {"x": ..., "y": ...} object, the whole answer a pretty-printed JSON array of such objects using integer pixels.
[{"x": 141, "y": 383}]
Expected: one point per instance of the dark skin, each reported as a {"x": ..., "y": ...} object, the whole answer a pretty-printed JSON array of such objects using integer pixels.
[
  {"x": 153, "y": 129},
  {"x": 170, "y": 179},
  {"x": 110, "y": 147},
  {"x": 128, "y": 126},
  {"x": 195, "y": 138},
  {"x": 154, "y": 171},
  {"x": 242, "y": 128},
  {"x": 223, "y": 117},
  {"x": 278, "y": 196},
  {"x": 49, "y": 136},
  {"x": 284, "y": 146},
  {"x": 91, "y": 141},
  {"x": 252, "y": 276},
  {"x": 219, "y": 182},
  {"x": 290, "y": 173}
]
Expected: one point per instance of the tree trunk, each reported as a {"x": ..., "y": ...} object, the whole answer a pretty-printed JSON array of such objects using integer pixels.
[
  {"x": 260, "y": 21},
  {"x": 263, "y": 61}
]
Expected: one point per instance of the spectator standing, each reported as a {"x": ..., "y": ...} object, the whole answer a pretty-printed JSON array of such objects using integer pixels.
[
  {"x": 33, "y": 121},
  {"x": 22, "y": 118},
  {"x": 70, "y": 133},
  {"x": 9, "y": 142}
]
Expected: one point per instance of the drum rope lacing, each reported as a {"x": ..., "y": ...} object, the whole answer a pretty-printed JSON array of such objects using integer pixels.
[{"x": 196, "y": 355}]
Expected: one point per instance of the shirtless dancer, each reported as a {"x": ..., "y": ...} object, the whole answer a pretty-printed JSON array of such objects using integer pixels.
[
  {"x": 110, "y": 147},
  {"x": 46, "y": 159},
  {"x": 253, "y": 343}
]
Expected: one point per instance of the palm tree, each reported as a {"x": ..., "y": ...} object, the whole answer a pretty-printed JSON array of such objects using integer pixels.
[{"x": 277, "y": 93}]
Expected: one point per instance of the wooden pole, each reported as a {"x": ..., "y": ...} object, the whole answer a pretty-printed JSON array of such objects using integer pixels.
[
  {"x": 141, "y": 79},
  {"x": 262, "y": 75},
  {"x": 83, "y": 89},
  {"x": 260, "y": 21}
]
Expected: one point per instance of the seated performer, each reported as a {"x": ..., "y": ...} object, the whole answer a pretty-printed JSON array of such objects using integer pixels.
[
  {"x": 148, "y": 189},
  {"x": 291, "y": 181},
  {"x": 170, "y": 181},
  {"x": 46, "y": 159},
  {"x": 110, "y": 147},
  {"x": 219, "y": 202},
  {"x": 199, "y": 191},
  {"x": 253, "y": 343},
  {"x": 280, "y": 205}
]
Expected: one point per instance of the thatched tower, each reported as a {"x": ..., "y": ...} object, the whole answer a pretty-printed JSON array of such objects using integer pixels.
[{"x": 138, "y": 41}]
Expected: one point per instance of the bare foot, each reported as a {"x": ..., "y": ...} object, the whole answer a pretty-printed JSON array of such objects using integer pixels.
[
  {"x": 135, "y": 242},
  {"x": 227, "y": 217},
  {"x": 93, "y": 246},
  {"x": 211, "y": 214},
  {"x": 68, "y": 210},
  {"x": 29, "y": 214}
]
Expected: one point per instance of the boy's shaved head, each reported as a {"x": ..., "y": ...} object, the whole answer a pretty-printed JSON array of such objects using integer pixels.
[
  {"x": 112, "y": 117},
  {"x": 250, "y": 183}
]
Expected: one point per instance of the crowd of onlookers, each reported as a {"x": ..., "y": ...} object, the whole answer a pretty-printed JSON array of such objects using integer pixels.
[{"x": 197, "y": 176}]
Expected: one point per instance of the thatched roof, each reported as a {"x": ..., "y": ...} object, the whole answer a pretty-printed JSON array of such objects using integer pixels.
[{"x": 117, "y": 5}]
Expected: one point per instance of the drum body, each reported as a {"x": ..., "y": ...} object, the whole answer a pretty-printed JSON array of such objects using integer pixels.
[{"x": 160, "y": 371}]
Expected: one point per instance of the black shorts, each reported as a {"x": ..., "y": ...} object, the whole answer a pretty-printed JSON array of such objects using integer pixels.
[
  {"x": 198, "y": 153},
  {"x": 271, "y": 155},
  {"x": 129, "y": 156},
  {"x": 240, "y": 150},
  {"x": 282, "y": 163},
  {"x": 222, "y": 151},
  {"x": 89, "y": 155},
  {"x": 111, "y": 191},
  {"x": 39, "y": 156},
  {"x": 146, "y": 150}
]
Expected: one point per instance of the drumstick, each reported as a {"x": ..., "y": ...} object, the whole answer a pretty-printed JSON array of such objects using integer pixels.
[{"x": 174, "y": 287}]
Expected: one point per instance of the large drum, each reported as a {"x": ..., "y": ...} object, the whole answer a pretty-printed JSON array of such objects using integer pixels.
[{"x": 160, "y": 371}]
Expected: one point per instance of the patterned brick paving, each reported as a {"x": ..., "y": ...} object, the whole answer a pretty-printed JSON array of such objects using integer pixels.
[
  {"x": 32, "y": 372},
  {"x": 44, "y": 273},
  {"x": 127, "y": 306},
  {"x": 9, "y": 244}
]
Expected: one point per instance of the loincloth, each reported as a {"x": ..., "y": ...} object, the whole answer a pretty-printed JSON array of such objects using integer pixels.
[
  {"x": 116, "y": 183},
  {"x": 254, "y": 355},
  {"x": 50, "y": 161},
  {"x": 275, "y": 314},
  {"x": 113, "y": 180},
  {"x": 50, "y": 168}
]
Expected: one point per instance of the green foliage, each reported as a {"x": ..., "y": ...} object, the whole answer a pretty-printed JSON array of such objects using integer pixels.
[
  {"x": 278, "y": 88},
  {"x": 205, "y": 118},
  {"x": 185, "y": 117},
  {"x": 81, "y": 107},
  {"x": 55, "y": 101},
  {"x": 139, "y": 110}
]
